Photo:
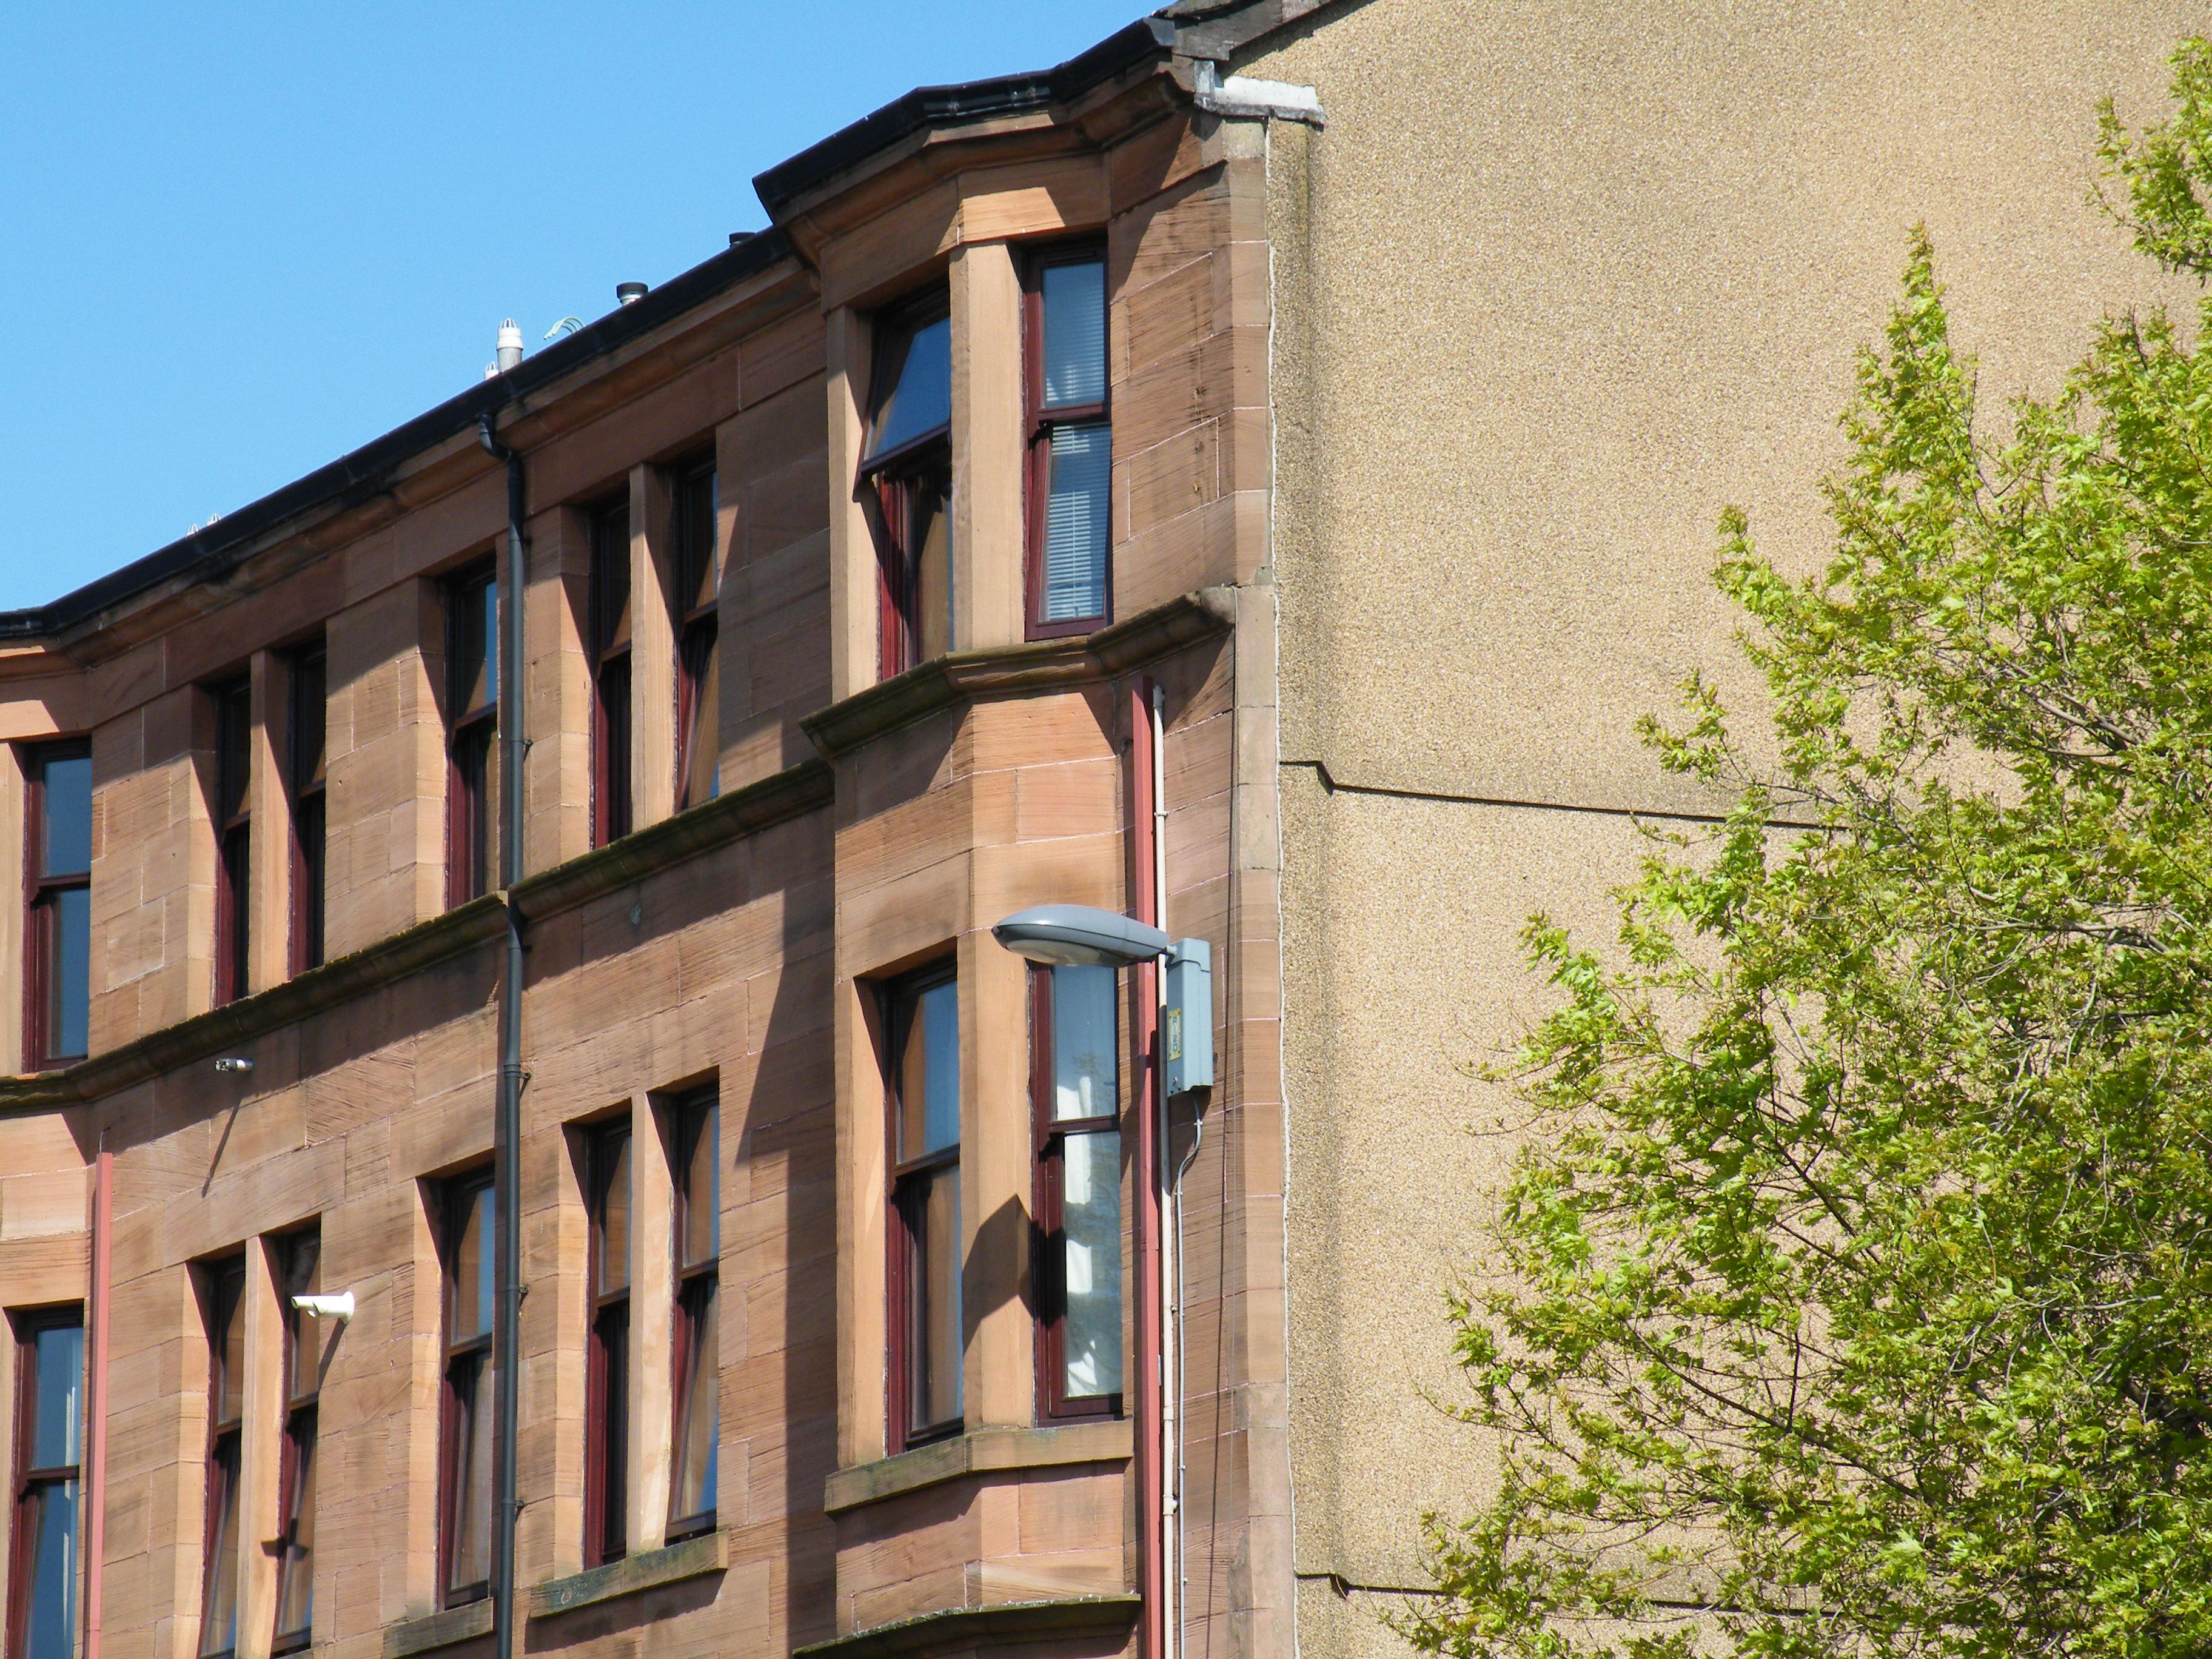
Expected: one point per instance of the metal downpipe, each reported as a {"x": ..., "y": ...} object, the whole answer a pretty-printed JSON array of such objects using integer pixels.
[{"x": 507, "y": 1127}]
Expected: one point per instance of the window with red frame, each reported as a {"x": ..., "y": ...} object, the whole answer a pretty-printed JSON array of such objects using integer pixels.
[
  {"x": 906, "y": 481},
  {"x": 464, "y": 1513},
  {"x": 607, "y": 1381},
  {"x": 472, "y": 728},
  {"x": 698, "y": 677},
  {"x": 57, "y": 898},
  {"x": 1071, "y": 443},
  {"x": 307, "y": 763},
  {"x": 223, "y": 1288},
  {"x": 301, "y": 1258},
  {"x": 42, "y": 1571},
  {"x": 1075, "y": 1087},
  {"x": 234, "y": 829},
  {"x": 610, "y": 674},
  {"x": 926, "y": 1341},
  {"x": 694, "y": 1466}
]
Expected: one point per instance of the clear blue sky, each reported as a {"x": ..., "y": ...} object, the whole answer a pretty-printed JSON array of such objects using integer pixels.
[{"x": 244, "y": 239}]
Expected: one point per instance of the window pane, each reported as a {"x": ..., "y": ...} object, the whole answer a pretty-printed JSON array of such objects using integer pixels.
[
  {"x": 233, "y": 737},
  {"x": 696, "y": 532},
  {"x": 700, "y": 744},
  {"x": 219, "y": 1582},
  {"x": 473, "y": 1288},
  {"x": 68, "y": 988},
  {"x": 917, "y": 377},
  {"x": 933, "y": 566},
  {"x": 1076, "y": 517},
  {"x": 1091, "y": 1210},
  {"x": 229, "y": 1357},
  {"x": 469, "y": 1554},
  {"x": 1085, "y": 1043},
  {"x": 68, "y": 815},
  {"x": 295, "y": 1571},
  {"x": 308, "y": 827},
  {"x": 1074, "y": 333},
  {"x": 303, "y": 1276},
  {"x": 934, "y": 1340},
  {"x": 49, "y": 1610},
  {"x": 612, "y": 1249},
  {"x": 57, "y": 1422},
  {"x": 472, "y": 813},
  {"x": 610, "y": 579},
  {"x": 929, "y": 1073},
  {"x": 612, "y": 1429},
  {"x": 310, "y": 718},
  {"x": 238, "y": 911},
  {"x": 698, "y": 1430},
  {"x": 613, "y": 782},
  {"x": 475, "y": 672},
  {"x": 702, "y": 1177}
]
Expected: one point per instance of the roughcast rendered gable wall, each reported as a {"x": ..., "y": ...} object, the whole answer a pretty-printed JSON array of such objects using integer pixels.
[{"x": 1554, "y": 285}]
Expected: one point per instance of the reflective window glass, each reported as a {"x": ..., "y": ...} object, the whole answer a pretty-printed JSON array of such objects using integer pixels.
[
  {"x": 916, "y": 376},
  {"x": 1074, "y": 333},
  {"x": 67, "y": 810}
]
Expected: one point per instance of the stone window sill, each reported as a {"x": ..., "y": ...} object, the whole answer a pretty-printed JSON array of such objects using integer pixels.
[
  {"x": 438, "y": 1630},
  {"x": 969, "y": 1627},
  {"x": 978, "y": 1451},
  {"x": 692, "y": 1559}
]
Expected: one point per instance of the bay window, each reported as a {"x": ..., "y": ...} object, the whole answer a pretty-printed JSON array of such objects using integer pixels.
[
  {"x": 1071, "y": 443},
  {"x": 471, "y": 727},
  {"x": 609, "y": 629},
  {"x": 464, "y": 1499},
  {"x": 606, "y": 1379},
  {"x": 694, "y": 1465},
  {"x": 300, "y": 1257},
  {"x": 306, "y": 769},
  {"x": 1075, "y": 1099},
  {"x": 57, "y": 898},
  {"x": 926, "y": 1340},
  {"x": 698, "y": 679},
  {"x": 224, "y": 1288},
  {"x": 233, "y": 913},
  {"x": 907, "y": 482},
  {"x": 42, "y": 1571}
]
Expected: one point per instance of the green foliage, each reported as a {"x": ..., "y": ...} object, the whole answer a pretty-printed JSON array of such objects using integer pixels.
[
  {"x": 2163, "y": 175},
  {"x": 1856, "y": 1290}
]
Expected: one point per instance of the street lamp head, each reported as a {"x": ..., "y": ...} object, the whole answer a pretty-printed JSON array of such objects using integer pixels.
[{"x": 1076, "y": 935}]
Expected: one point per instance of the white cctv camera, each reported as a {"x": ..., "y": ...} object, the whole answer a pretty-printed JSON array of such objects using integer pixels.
[{"x": 326, "y": 1307}]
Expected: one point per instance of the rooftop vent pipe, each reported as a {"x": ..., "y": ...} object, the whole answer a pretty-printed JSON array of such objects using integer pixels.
[
  {"x": 510, "y": 345},
  {"x": 630, "y": 293}
]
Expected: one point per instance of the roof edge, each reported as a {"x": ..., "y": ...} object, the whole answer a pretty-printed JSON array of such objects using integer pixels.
[
  {"x": 1151, "y": 38},
  {"x": 1190, "y": 29},
  {"x": 227, "y": 542}
]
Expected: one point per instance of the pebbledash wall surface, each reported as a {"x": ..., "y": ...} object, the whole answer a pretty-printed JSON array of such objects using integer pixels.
[{"x": 1356, "y": 384}]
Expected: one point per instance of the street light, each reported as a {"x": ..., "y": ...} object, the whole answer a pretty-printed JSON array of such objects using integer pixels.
[{"x": 1078, "y": 936}]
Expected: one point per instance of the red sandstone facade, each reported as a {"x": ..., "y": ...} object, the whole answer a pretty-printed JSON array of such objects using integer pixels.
[{"x": 805, "y": 823}]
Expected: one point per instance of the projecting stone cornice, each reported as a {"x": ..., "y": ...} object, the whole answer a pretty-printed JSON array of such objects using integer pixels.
[
  {"x": 1009, "y": 670},
  {"x": 787, "y": 794},
  {"x": 960, "y": 677},
  {"x": 957, "y": 1628}
]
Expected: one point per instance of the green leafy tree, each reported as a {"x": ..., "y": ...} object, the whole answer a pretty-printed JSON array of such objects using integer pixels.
[{"x": 1856, "y": 1290}]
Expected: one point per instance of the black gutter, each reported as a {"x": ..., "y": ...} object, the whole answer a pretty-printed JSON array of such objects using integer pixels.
[
  {"x": 1148, "y": 39},
  {"x": 366, "y": 473},
  {"x": 507, "y": 1112}
]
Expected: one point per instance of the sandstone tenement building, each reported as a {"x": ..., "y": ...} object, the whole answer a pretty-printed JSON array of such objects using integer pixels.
[{"x": 1249, "y": 477}]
